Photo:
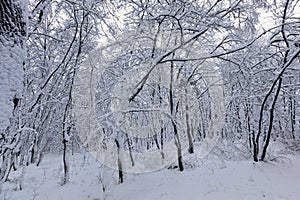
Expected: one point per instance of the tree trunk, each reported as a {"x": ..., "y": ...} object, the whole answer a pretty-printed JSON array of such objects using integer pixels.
[
  {"x": 121, "y": 178},
  {"x": 188, "y": 129},
  {"x": 12, "y": 61},
  {"x": 173, "y": 114},
  {"x": 263, "y": 155},
  {"x": 12, "y": 57}
]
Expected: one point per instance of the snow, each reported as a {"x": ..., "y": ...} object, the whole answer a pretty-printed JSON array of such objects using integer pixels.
[
  {"x": 230, "y": 180},
  {"x": 209, "y": 179},
  {"x": 11, "y": 78},
  {"x": 44, "y": 182}
]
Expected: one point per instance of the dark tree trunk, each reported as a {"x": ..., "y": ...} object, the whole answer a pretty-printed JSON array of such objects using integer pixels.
[
  {"x": 263, "y": 155},
  {"x": 173, "y": 114},
  {"x": 188, "y": 128},
  {"x": 121, "y": 178}
]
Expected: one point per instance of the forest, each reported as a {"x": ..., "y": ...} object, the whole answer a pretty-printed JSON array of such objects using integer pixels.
[{"x": 146, "y": 85}]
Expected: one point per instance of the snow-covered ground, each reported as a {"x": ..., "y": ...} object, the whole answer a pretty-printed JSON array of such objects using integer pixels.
[
  {"x": 229, "y": 180},
  {"x": 209, "y": 178}
]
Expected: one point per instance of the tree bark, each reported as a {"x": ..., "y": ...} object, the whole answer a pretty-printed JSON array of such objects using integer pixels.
[
  {"x": 12, "y": 61},
  {"x": 263, "y": 155},
  {"x": 173, "y": 114},
  {"x": 121, "y": 178},
  {"x": 12, "y": 57}
]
